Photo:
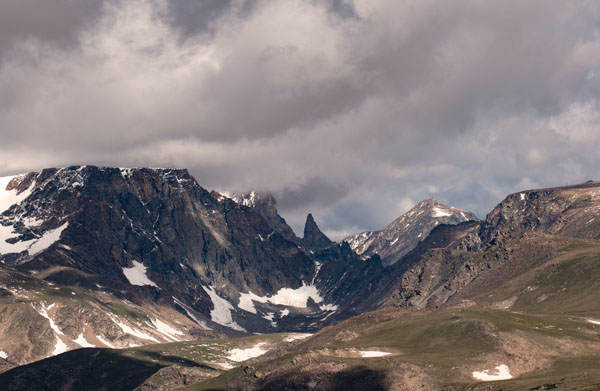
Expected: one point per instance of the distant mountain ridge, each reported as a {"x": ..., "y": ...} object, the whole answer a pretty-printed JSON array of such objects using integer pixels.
[
  {"x": 515, "y": 293},
  {"x": 404, "y": 233},
  {"x": 115, "y": 257}
]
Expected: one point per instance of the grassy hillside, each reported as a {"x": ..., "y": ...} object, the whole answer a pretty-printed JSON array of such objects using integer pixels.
[{"x": 532, "y": 312}]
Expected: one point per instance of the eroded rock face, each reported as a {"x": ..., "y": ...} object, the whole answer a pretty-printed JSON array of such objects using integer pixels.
[
  {"x": 265, "y": 205},
  {"x": 572, "y": 211},
  {"x": 404, "y": 233}
]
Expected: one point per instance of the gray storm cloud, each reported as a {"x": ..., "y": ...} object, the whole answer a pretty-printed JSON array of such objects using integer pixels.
[{"x": 353, "y": 110}]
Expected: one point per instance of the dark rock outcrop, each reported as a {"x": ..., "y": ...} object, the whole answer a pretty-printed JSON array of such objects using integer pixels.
[
  {"x": 265, "y": 205},
  {"x": 314, "y": 239}
]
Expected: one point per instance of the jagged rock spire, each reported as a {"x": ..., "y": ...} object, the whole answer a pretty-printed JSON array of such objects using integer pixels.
[{"x": 314, "y": 239}]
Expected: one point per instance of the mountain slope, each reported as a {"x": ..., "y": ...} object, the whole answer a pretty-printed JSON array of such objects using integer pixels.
[
  {"x": 489, "y": 250},
  {"x": 155, "y": 240},
  {"x": 153, "y": 237},
  {"x": 404, "y": 233},
  {"x": 512, "y": 297}
]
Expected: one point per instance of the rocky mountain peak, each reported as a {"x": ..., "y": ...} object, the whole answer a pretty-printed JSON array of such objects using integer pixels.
[
  {"x": 313, "y": 238},
  {"x": 263, "y": 203},
  {"x": 404, "y": 233}
]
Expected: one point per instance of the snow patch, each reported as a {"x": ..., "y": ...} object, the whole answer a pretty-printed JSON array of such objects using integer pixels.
[
  {"x": 81, "y": 341},
  {"x": 33, "y": 246},
  {"x": 166, "y": 330},
  {"x": 295, "y": 337},
  {"x": 594, "y": 321},
  {"x": 221, "y": 312},
  {"x": 47, "y": 239},
  {"x": 328, "y": 307},
  {"x": 522, "y": 196},
  {"x": 501, "y": 372},
  {"x": 394, "y": 241},
  {"x": 239, "y": 355},
  {"x": 136, "y": 333},
  {"x": 59, "y": 347},
  {"x": 285, "y": 312},
  {"x": 105, "y": 342},
  {"x": 439, "y": 212},
  {"x": 296, "y": 297},
  {"x": 136, "y": 275},
  {"x": 269, "y": 316},
  {"x": 3, "y": 354},
  {"x": 373, "y": 353},
  {"x": 318, "y": 266},
  {"x": 286, "y": 296},
  {"x": 44, "y": 312},
  {"x": 246, "y": 301},
  {"x": 225, "y": 365},
  {"x": 9, "y": 198},
  {"x": 31, "y": 222}
]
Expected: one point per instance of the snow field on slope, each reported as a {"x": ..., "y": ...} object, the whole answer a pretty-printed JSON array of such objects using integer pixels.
[
  {"x": 81, "y": 341},
  {"x": 239, "y": 355},
  {"x": 60, "y": 347},
  {"x": 9, "y": 198},
  {"x": 502, "y": 372},
  {"x": 136, "y": 275},
  {"x": 295, "y": 337},
  {"x": 287, "y": 297},
  {"x": 136, "y": 333},
  {"x": 439, "y": 212},
  {"x": 105, "y": 342},
  {"x": 44, "y": 313},
  {"x": 33, "y": 246},
  {"x": 221, "y": 312},
  {"x": 166, "y": 330},
  {"x": 188, "y": 311},
  {"x": 373, "y": 353}
]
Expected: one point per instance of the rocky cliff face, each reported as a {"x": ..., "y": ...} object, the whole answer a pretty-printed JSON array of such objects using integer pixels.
[
  {"x": 265, "y": 205},
  {"x": 152, "y": 241},
  {"x": 404, "y": 233},
  {"x": 569, "y": 211},
  {"x": 158, "y": 224}
]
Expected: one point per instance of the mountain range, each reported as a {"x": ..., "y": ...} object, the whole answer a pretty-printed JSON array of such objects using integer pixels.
[{"x": 99, "y": 257}]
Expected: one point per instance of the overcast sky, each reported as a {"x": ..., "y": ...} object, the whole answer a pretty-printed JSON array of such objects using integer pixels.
[{"x": 353, "y": 110}]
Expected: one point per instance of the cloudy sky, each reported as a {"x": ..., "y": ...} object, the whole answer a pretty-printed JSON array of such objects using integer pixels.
[{"x": 351, "y": 109}]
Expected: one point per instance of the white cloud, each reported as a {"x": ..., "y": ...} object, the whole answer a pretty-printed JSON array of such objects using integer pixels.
[{"x": 463, "y": 100}]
